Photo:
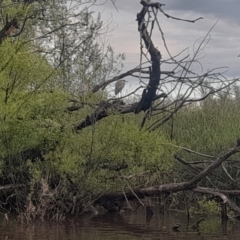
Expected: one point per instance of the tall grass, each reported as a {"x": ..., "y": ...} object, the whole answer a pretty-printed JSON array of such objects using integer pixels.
[{"x": 209, "y": 128}]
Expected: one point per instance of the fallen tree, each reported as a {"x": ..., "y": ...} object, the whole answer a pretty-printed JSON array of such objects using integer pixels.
[{"x": 192, "y": 185}]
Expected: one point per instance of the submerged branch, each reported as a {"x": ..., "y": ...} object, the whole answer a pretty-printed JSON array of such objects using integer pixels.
[{"x": 217, "y": 193}]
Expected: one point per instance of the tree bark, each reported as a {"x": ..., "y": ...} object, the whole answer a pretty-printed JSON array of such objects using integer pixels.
[{"x": 155, "y": 72}]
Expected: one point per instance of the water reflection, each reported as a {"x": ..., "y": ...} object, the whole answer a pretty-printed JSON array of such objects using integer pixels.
[{"x": 129, "y": 225}]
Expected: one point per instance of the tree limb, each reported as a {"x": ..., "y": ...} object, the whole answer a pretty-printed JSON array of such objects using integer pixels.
[
  {"x": 182, "y": 186},
  {"x": 11, "y": 186},
  {"x": 105, "y": 109}
]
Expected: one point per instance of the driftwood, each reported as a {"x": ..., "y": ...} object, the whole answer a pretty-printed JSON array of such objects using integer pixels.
[
  {"x": 191, "y": 185},
  {"x": 215, "y": 192}
]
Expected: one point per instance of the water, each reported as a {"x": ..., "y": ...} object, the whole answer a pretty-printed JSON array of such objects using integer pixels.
[{"x": 127, "y": 226}]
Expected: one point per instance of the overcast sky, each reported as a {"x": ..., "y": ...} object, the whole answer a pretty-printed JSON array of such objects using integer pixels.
[{"x": 222, "y": 50}]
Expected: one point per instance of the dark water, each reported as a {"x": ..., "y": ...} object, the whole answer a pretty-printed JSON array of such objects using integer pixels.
[{"x": 127, "y": 226}]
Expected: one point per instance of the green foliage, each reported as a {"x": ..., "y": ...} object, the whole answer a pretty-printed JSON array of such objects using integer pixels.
[
  {"x": 112, "y": 154},
  {"x": 206, "y": 207},
  {"x": 33, "y": 118},
  {"x": 15, "y": 9},
  {"x": 211, "y": 226},
  {"x": 25, "y": 101},
  {"x": 21, "y": 70},
  {"x": 37, "y": 145},
  {"x": 210, "y": 128},
  {"x": 114, "y": 142}
]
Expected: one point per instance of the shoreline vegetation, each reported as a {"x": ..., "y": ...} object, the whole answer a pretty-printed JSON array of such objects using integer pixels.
[{"x": 69, "y": 147}]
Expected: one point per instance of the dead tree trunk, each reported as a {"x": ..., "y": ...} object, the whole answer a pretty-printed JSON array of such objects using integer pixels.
[{"x": 149, "y": 93}]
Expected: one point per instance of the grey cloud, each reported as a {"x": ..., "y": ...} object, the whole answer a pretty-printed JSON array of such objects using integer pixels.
[
  {"x": 223, "y": 48},
  {"x": 227, "y": 9}
]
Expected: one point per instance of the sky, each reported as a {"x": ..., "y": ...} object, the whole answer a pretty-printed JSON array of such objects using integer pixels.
[{"x": 221, "y": 51}]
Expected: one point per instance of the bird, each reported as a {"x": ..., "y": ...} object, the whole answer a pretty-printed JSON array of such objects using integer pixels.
[
  {"x": 119, "y": 86},
  {"x": 82, "y": 88}
]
